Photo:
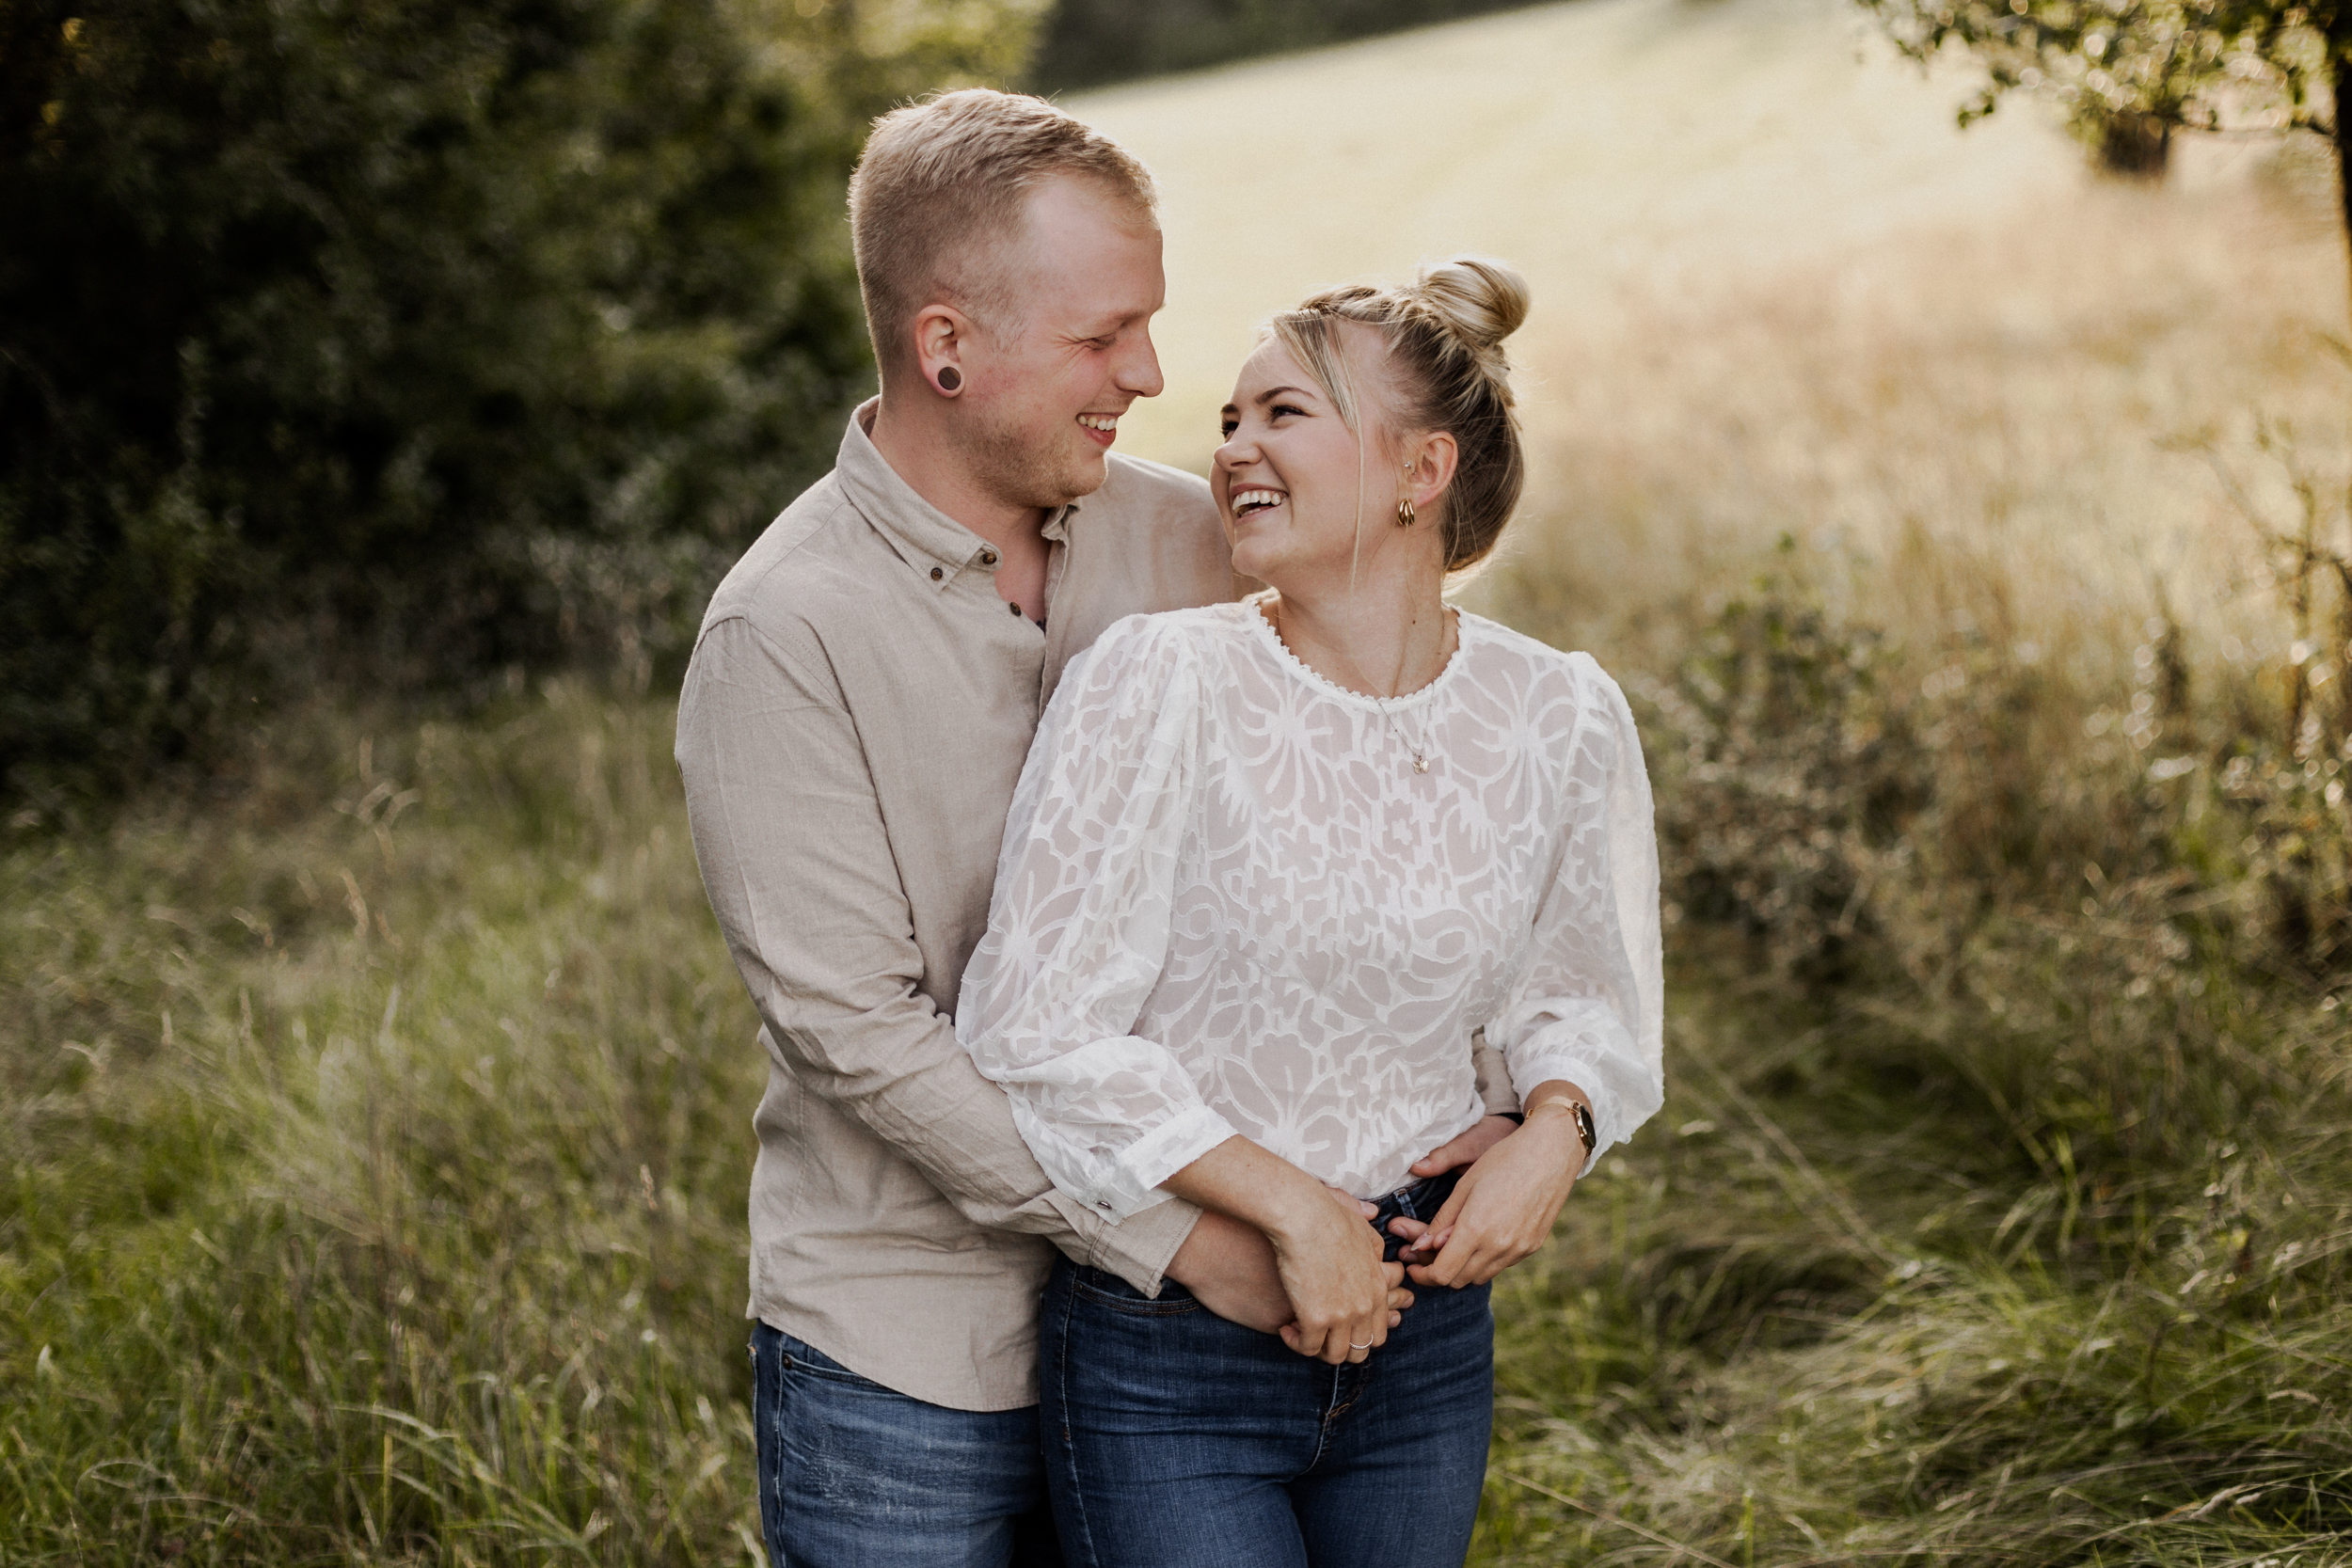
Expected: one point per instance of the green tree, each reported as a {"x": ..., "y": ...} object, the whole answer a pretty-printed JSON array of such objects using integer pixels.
[
  {"x": 2132, "y": 72},
  {"x": 423, "y": 330}
]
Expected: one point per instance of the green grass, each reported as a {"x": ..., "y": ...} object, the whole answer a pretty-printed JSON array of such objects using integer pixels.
[
  {"x": 377, "y": 1142},
  {"x": 377, "y": 1147}
]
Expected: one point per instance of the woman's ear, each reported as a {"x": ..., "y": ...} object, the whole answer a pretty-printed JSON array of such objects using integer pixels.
[
  {"x": 942, "y": 333},
  {"x": 1429, "y": 462}
]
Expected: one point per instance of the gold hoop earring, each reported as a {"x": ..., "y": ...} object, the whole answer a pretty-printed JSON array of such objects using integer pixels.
[{"x": 1404, "y": 511}]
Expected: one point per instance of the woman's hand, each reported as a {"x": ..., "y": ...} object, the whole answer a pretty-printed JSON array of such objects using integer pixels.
[
  {"x": 1503, "y": 1208},
  {"x": 1328, "y": 1259},
  {"x": 1231, "y": 1269},
  {"x": 1333, "y": 1273}
]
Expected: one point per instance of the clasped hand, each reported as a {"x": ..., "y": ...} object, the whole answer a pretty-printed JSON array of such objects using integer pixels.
[
  {"x": 1503, "y": 1208},
  {"x": 1281, "y": 1252}
]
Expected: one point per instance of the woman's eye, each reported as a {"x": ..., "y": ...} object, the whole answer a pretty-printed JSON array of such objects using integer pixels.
[
  {"x": 1226, "y": 427},
  {"x": 1281, "y": 408}
]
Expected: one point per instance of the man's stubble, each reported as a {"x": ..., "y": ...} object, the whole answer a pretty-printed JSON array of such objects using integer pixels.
[{"x": 1019, "y": 470}]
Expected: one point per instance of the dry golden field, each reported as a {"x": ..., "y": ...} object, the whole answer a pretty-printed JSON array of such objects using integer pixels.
[{"x": 1779, "y": 289}]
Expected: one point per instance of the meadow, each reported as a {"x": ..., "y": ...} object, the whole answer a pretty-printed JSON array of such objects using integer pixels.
[{"x": 377, "y": 1104}]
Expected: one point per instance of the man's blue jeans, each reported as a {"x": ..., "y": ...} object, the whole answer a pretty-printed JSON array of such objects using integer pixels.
[
  {"x": 855, "y": 1475},
  {"x": 1176, "y": 1439}
]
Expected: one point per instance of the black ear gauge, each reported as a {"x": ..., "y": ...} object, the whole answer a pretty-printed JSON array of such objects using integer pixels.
[{"x": 950, "y": 378}]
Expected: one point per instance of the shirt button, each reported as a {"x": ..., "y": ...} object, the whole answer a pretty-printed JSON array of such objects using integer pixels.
[
  {"x": 988, "y": 558},
  {"x": 937, "y": 573}
]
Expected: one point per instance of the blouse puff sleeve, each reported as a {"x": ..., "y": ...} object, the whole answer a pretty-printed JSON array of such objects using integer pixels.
[
  {"x": 1078, "y": 930},
  {"x": 1591, "y": 1007}
]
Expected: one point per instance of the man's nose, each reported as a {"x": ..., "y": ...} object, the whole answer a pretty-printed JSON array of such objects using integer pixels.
[{"x": 1139, "y": 370}]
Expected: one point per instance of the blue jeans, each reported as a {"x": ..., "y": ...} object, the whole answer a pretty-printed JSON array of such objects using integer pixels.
[
  {"x": 1176, "y": 1439},
  {"x": 855, "y": 1475}
]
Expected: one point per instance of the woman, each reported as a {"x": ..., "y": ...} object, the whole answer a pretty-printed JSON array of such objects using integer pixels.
[{"x": 1269, "y": 866}]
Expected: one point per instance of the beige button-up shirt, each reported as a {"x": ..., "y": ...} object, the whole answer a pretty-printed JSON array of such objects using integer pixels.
[{"x": 855, "y": 717}]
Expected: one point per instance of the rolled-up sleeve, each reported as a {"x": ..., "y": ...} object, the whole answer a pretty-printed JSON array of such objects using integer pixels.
[{"x": 798, "y": 863}]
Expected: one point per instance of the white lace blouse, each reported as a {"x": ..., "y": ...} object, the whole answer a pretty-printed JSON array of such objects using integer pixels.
[{"x": 1227, "y": 903}]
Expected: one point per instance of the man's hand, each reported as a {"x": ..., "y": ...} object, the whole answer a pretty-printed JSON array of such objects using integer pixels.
[{"x": 1466, "y": 1149}]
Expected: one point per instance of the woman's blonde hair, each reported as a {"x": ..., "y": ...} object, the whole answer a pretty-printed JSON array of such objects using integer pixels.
[{"x": 1444, "y": 336}]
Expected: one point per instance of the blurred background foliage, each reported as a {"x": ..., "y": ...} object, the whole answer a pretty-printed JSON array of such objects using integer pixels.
[
  {"x": 419, "y": 343},
  {"x": 1089, "y": 43},
  {"x": 2130, "y": 73},
  {"x": 410, "y": 340}
]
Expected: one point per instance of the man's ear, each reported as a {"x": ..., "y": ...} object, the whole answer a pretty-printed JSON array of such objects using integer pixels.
[
  {"x": 1429, "y": 462},
  {"x": 941, "y": 334}
]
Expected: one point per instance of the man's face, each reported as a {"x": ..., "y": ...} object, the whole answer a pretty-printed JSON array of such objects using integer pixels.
[{"x": 1070, "y": 349}]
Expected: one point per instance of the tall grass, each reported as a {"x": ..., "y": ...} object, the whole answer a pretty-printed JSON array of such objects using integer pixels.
[{"x": 376, "y": 1154}]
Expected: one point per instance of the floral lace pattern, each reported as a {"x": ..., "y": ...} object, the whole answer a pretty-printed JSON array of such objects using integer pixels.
[{"x": 1227, "y": 903}]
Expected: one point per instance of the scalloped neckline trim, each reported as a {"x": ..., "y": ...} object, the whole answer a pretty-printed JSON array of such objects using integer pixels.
[{"x": 1254, "y": 606}]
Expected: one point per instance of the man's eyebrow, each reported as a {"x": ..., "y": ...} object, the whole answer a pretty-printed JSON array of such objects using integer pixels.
[{"x": 1111, "y": 322}]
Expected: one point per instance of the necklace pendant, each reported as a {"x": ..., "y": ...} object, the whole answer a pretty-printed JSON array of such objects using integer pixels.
[{"x": 1420, "y": 764}]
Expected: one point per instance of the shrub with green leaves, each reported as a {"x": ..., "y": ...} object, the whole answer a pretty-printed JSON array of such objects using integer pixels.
[
  {"x": 459, "y": 333},
  {"x": 1787, "y": 777}
]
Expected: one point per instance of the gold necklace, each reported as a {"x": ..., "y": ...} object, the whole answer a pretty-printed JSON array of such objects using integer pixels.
[{"x": 1419, "y": 754}]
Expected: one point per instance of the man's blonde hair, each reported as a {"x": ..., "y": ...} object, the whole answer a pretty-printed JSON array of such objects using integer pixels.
[{"x": 938, "y": 193}]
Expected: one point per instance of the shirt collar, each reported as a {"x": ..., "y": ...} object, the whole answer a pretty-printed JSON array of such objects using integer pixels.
[{"x": 920, "y": 532}]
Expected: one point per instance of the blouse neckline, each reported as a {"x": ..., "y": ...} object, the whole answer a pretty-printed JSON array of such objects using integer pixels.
[{"x": 1263, "y": 628}]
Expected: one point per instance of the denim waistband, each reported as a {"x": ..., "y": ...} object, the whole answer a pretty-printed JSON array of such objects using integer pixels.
[{"x": 1419, "y": 1201}]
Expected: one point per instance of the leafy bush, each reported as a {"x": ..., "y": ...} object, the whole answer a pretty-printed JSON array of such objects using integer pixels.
[
  {"x": 450, "y": 330},
  {"x": 1787, "y": 779}
]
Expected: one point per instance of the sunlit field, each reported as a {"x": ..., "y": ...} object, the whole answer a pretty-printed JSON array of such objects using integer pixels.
[
  {"x": 1779, "y": 291},
  {"x": 376, "y": 1113}
]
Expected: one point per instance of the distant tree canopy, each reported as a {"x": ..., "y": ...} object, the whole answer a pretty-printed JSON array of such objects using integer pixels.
[
  {"x": 2130, "y": 72},
  {"x": 1090, "y": 43},
  {"x": 448, "y": 321}
]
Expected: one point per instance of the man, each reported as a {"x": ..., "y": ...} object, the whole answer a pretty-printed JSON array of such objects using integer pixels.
[{"x": 861, "y": 699}]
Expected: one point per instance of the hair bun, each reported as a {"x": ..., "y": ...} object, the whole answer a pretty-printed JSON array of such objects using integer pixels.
[{"x": 1480, "y": 300}]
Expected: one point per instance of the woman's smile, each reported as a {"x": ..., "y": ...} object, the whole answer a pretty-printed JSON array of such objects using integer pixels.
[{"x": 1255, "y": 499}]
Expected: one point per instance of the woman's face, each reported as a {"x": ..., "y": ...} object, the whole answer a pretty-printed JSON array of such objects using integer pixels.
[{"x": 1286, "y": 478}]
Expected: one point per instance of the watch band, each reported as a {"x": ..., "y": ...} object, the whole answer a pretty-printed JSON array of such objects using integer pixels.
[{"x": 1577, "y": 1112}]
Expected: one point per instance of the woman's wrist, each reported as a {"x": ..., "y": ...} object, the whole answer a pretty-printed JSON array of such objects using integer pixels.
[{"x": 1564, "y": 1109}]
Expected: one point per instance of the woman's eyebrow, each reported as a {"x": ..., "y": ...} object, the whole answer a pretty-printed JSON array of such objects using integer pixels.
[{"x": 1272, "y": 392}]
